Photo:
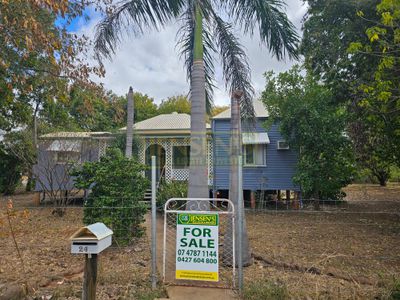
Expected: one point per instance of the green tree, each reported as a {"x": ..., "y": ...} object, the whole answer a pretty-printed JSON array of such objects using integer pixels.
[
  {"x": 204, "y": 32},
  {"x": 143, "y": 105},
  {"x": 314, "y": 126},
  {"x": 380, "y": 99},
  {"x": 117, "y": 187},
  {"x": 339, "y": 29},
  {"x": 36, "y": 53},
  {"x": 329, "y": 28},
  {"x": 10, "y": 171},
  {"x": 94, "y": 109},
  {"x": 179, "y": 104}
]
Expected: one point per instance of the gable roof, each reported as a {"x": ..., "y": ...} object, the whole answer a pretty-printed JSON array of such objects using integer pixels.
[
  {"x": 164, "y": 123},
  {"x": 75, "y": 135},
  {"x": 259, "y": 108}
]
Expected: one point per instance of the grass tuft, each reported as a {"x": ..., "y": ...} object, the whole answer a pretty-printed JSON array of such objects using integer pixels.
[{"x": 265, "y": 289}]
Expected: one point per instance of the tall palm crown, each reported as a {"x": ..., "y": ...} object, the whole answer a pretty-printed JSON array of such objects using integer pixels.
[{"x": 203, "y": 34}]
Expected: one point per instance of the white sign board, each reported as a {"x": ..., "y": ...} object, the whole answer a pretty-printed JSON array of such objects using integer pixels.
[{"x": 197, "y": 247}]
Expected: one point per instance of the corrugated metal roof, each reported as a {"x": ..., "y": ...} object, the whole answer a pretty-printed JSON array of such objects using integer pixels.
[
  {"x": 174, "y": 121},
  {"x": 81, "y": 135},
  {"x": 65, "y": 145},
  {"x": 261, "y": 111},
  {"x": 255, "y": 138}
]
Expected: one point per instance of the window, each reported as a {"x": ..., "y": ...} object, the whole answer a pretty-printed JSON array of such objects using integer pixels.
[
  {"x": 255, "y": 154},
  {"x": 63, "y": 157},
  {"x": 180, "y": 157}
]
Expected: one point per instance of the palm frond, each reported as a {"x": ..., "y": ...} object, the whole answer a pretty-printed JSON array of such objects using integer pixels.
[
  {"x": 276, "y": 30},
  {"x": 235, "y": 65},
  {"x": 186, "y": 43},
  {"x": 133, "y": 16}
]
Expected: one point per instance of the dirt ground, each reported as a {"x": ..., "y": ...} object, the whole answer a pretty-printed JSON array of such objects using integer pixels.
[
  {"x": 353, "y": 246},
  {"x": 49, "y": 269},
  {"x": 347, "y": 251}
]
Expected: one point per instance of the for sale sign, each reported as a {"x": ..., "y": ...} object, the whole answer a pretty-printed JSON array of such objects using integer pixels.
[{"x": 197, "y": 247}]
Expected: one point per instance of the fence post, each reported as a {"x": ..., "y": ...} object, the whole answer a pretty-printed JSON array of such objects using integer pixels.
[
  {"x": 90, "y": 277},
  {"x": 153, "y": 224},
  {"x": 240, "y": 224}
]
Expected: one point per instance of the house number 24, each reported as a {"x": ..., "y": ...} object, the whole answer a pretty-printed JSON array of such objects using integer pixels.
[{"x": 83, "y": 249}]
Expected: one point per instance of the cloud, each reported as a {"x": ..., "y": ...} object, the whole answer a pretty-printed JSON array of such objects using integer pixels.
[{"x": 151, "y": 64}]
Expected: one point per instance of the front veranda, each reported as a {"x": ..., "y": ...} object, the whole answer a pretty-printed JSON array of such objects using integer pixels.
[{"x": 172, "y": 157}]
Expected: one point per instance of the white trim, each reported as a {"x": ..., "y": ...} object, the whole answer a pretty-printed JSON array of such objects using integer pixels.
[
  {"x": 278, "y": 147},
  {"x": 264, "y": 146}
]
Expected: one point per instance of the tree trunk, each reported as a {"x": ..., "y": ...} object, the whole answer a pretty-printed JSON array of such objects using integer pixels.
[
  {"x": 382, "y": 175},
  {"x": 198, "y": 170},
  {"x": 129, "y": 125},
  {"x": 30, "y": 182},
  {"x": 234, "y": 189}
]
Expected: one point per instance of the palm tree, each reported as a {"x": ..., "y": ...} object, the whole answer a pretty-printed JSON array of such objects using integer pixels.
[
  {"x": 204, "y": 33},
  {"x": 234, "y": 188},
  {"x": 129, "y": 125}
]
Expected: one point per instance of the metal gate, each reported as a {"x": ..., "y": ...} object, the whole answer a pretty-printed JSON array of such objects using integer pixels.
[{"x": 226, "y": 260}]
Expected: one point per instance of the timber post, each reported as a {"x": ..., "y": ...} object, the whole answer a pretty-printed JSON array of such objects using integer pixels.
[
  {"x": 252, "y": 199},
  {"x": 90, "y": 277}
]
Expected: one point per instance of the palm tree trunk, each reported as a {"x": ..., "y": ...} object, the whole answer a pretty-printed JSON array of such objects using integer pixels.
[
  {"x": 234, "y": 189},
  {"x": 129, "y": 125},
  {"x": 198, "y": 170}
]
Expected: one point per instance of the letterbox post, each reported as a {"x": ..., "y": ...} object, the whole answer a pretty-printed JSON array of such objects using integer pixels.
[
  {"x": 90, "y": 240},
  {"x": 90, "y": 277}
]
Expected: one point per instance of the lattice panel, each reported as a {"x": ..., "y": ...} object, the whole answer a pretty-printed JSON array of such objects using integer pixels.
[
  {"x": 168, "y": 144},
  {"x": 102, "y": 148},
  {"x": 210, "y": 161},
  {"x": 180, "y": 174}
]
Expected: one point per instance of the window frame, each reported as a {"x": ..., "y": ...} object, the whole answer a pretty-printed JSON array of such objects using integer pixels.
[
  {"x": 264, "y": 155},
  {"x": 58, "y": 162},
  {"x": 173, "y": 157},
  {"x": 282, "y": 141}
]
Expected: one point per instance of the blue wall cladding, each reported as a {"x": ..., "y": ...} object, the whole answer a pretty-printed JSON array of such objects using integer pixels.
[{"x": 280, "y": 164}]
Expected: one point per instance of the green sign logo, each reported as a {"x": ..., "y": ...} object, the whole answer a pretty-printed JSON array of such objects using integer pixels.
[{"x": 197, "y": 219}]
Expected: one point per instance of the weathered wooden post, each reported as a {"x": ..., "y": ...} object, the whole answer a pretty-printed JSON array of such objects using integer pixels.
[
  {"x": 90, "y": 240},
  {"x": 90, "y": 277}
]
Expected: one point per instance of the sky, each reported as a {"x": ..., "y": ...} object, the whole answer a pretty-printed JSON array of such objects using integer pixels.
[{"x": 151, "y": 63}]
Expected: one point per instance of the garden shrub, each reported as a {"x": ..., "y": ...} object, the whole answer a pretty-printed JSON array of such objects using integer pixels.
[
  {"x": 265, "y": 289},
  {"x": 117, "y": 187},
  {"x": 175, "y": 189},
  {"x": 10, "y": 172}
]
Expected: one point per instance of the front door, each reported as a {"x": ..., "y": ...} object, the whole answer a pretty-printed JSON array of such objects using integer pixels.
[{"x": 159, "y": 152}]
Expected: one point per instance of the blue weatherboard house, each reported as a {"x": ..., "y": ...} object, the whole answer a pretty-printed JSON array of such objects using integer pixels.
[{"x": 269, "y": 163}]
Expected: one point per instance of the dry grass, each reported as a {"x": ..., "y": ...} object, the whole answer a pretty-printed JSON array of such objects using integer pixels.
[
  {"x": 358, "y": 241},
  {"x": 352, "y": 243},
  {"x": 43, "y": 238}
]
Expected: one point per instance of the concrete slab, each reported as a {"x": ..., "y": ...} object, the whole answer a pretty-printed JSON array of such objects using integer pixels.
[{"x": 199, "y": 293}]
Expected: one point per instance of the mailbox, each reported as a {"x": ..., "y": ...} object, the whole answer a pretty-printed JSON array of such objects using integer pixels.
[{"x": 91, "y": 239}]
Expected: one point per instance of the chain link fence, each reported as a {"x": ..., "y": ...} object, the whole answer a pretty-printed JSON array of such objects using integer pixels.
[
  {"x": 345, "y": 249},
  {"x": 222, "y": 260},
  {"x": 35, "y": 251}
]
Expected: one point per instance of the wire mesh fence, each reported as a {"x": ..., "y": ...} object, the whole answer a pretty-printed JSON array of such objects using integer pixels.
[
  {"x": 35, "y": 251},
  {"x": 343, "y": 250},
  {"x": 346, "y": 249},
  {"x": 187, "y": 259}
]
